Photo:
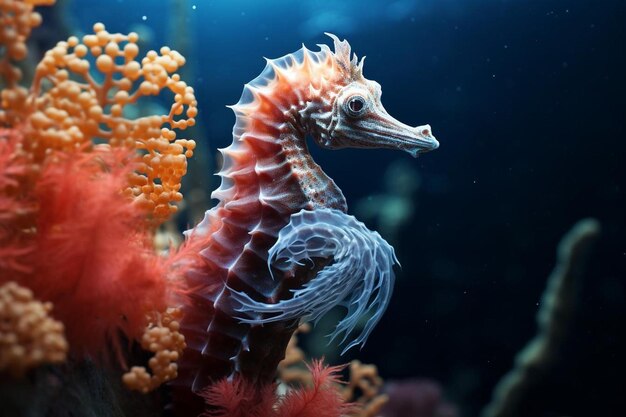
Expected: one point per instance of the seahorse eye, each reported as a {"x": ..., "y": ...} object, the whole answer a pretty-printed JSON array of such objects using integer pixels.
[{"x": 355, "y": 106}]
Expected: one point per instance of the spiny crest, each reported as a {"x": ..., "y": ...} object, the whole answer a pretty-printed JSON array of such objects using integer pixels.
[{"x": 353, "y": 68}]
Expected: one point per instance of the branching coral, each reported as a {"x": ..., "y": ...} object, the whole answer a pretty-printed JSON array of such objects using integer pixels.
[
  {"x": 69, "y": 107},
  {"x": 73, "y": 210},
  {"x": 362, "y": 390},
  {"x": 558, "y": 304},
  {"x": 162, "y": 337},
  {"x": 29, "y": 337},
  {"x": 364, "y": 380},
  {"x": 290, "y": 369},
  {"x": 17, "y": 19}
]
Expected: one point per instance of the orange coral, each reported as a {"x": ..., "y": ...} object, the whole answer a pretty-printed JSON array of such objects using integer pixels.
[
  {"x": 290, "y": 369},
  {"x": 29, "y": 337},
  {"x": 68, "y": 229},
  {"x": 69, "y": 107},
  {"x": 362, "y": 390},
  {"x": 17, "y": 19},
  {"x": 163, "y": 338}
]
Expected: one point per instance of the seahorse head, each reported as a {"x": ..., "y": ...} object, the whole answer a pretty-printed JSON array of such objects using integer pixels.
[{"x": 349, "y": 112}]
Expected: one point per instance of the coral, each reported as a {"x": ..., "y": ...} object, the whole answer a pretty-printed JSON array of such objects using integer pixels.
[
  {"x": 289, "y": 370},
  {"x": 321, "y": 399},
  {"x": 94, "y": 258},
  {"x": 558, "y": 304},
  {"x": 241, "y": 398},
  {"x": 29, "y": 337},
  {"x": 362, "y": 390},
  {"x": 73, "y": 210},
  {"x": 17, "y": 19},
  {"x": 69, "y": 107},
  {"x": 17, "y": 207},
  {"x": 161, "y": 337}
]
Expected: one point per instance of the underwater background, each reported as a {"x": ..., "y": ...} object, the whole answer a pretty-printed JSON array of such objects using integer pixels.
[{"x": 527, "y": 101}]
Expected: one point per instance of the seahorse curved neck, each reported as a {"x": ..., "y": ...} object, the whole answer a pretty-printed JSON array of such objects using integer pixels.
[{"x": 275, "y": 113}]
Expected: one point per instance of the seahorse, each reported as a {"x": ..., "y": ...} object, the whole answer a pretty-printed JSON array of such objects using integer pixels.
[{"x": 279, "y": 246}]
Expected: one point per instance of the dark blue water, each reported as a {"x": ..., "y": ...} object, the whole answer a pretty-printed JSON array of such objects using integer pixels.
[{"x": 527, "y": 100}]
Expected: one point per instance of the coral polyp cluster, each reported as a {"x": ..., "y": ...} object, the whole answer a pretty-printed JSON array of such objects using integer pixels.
[
  {"x": 29, "y": 336},
  {"x": 17, "y": 19},
  {"x": 85, "y": 177},
  {"x": 71, "y": 104},
  {"x": 163, "y": 339}
]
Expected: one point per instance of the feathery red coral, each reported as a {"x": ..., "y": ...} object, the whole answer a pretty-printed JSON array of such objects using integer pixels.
[
  {"x": 92, "y": 249},
  {"x": 240, "y": 398},
  {"x": 15, "y": 206},
  {"x": 321, "y": 400}
]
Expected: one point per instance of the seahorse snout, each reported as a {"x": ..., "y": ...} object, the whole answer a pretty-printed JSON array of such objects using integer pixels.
[{"x": 428, "y": 142}]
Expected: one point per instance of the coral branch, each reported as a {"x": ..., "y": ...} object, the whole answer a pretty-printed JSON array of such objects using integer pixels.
[
  {"x": 72, "y": 104},
  {"x": 557, "y": 307},
  {"x": 29, "y": 337},
  {"x": 362, "y": 391},
  {"x": 77, "y": 215},
  {"x": 163, "y": 339},
  {"x": 17, "y": 19}
]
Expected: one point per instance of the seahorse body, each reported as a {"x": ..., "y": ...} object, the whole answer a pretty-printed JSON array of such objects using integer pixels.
[{"x": 268, "y": 176}]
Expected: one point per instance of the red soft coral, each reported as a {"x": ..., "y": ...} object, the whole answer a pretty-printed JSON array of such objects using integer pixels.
[
  {"x": 16, "y": 206},
  {"x": 240, "y": 398},
  {"x": 321, "y": 400},
  {"x": 94, "y": 256}
]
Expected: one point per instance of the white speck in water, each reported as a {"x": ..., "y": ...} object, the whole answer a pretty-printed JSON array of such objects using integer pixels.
[
  {"x": 144, "y": 18},
  {"x": 194, "y": 7}
]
